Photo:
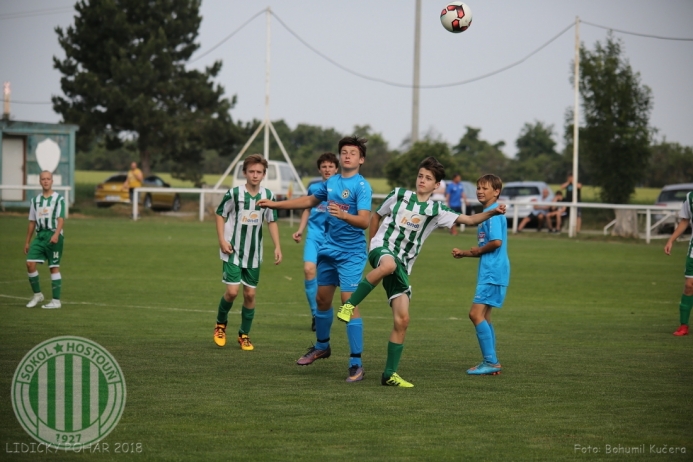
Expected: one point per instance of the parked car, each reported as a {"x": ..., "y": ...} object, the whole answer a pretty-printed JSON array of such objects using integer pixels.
[
  {"x": 525, "y": 192},
  {"x": 279, "y": 179},
  {"x": 474, "y": 206},
  {"x": 111, "y": 192},
  {"x": 671, "y": 196}
]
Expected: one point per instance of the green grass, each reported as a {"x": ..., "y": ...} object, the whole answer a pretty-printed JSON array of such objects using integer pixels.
[{"x": 584, "y": 338}]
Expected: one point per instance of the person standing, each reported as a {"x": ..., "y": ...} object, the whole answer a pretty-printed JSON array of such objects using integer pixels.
[
  {"x": 686, "y": 215},
  {"x": 46, "y": 217},
  {"x": 454, "y": 196}
]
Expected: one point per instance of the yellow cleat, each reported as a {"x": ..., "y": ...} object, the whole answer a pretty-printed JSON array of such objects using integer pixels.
[
  {"x": 345, "y": 311},
  {"x": 244, "y": 342},
  {"x": 395, "y": 381},
  {"x": 220, "y": 335}
]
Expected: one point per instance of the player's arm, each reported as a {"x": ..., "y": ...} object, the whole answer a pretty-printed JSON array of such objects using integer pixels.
[
  {"x": 58, "y": 229},
  {"x": 374, "y": 225},
  {"x": 274, "y": 233},
  {"x": 305, "y": 202},
  {"x": 477, "y": 218},
  {"x": 680, "y": 229},
  {"x": 223, "y": 244},
  {"x": 359, "y": 221},
  {"x": 29, "y": 235},
  {"x": 476, "y": 252},
  {"x": 302, "y": 226}
]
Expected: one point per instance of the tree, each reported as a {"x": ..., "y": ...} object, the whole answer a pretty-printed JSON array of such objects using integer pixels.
[
  {"x": 475, "y": 157},
  {"x": 614, "y": 143},
  {"x": 124, "y": 77},
  {"x": 377, "y": 154},
  {"x": 670, "y": 163},
  {"x": 401, "y": 171},
  {"x": 536, "y": 158}
]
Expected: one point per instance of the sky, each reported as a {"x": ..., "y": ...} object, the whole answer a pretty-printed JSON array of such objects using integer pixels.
[{"x": 375, "y": 38}]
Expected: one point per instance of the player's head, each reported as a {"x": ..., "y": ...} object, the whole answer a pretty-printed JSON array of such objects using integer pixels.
[
  {"x": 352, "y": 153},
  {"x": 328, "y": 164},
  {"x": 488, "y": 188},
  {"x": 46, "y": 180},
  {"x": 254, "y": 169},
  {"x": 430, "y": 173}
]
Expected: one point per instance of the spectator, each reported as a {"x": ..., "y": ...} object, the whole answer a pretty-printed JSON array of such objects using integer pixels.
[
  {"x": 556, "y": 212},
  {"x": 134, "y": 179},
  {"x": 568, "y": 185},
  {"x": 539, "y": 211},
  {"x": 454, "y": 195}
]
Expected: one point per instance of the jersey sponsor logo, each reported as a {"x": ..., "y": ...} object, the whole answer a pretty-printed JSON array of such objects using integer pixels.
[
  {"x": 410, "y": 220},
  {"x": 345, "y": 194},
  {"x": 44, "y": 212},
  {"x": 481, "y": 237},
  {"x": 344, "y": 207},
  {"x": 68, "y": 392},
  {"x": 250, "y": 217},
  {"x": 321, "y": 207}
]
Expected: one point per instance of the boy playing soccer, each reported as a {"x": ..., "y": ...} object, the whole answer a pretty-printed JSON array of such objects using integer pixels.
[
  {"x": 686, "y": 215},
  {"x": 342, "y": 255},
  {"x": 315, "y": 219},
  {"x": 493, "y": 275},
  {"x": 46, "y": 216},
  {"x": 239, "y": 229},
  {"x": 409, "y": 218}
]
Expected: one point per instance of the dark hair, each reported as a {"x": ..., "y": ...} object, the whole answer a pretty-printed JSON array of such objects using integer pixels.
[
  {"x": 254, "y": 159},
  {"x": 328, "y": 157},
  {"x": 456, "y": 175},
  {"x": 354, "y": 141},
  {"x": 493, "y": 180},
  {"x": 431, "y": 164}
]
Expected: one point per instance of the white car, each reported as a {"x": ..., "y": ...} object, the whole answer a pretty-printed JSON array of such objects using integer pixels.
[
  {"x": 671, "y": 196},
  {"x": 525, "y": 192},
  {"x": 470, "y": 192}
]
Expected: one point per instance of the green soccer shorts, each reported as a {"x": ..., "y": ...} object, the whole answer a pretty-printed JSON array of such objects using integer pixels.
[
  {"x": 395, "y": 284},
  {"x": 234, "y": 274},
  {"x": 689, "y": 261},
  {"x": 41, "y": 249}
]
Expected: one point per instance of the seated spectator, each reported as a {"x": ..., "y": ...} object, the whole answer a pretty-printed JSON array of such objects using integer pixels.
[
  {"x": 539, "y": 212},
  {"x": 556, "y": 212}
]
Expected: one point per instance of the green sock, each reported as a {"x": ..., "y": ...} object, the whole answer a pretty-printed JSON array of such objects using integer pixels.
[
  {"x": 34, "y": 281},
  {"x": 394, "y": 353},
  {"x": 223, "y": 313},
  {"x": 56, "y": 286},
  {"x": 364, "y": 288},
  {"x": 247, "y": 315},
  {"x": 685, "y": 308}
]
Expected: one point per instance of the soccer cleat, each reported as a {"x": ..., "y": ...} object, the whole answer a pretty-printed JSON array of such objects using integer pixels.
[
  {"x": 356, "y": 374},
  {"x": 345, "y": 311},
  {"x": 395, "y": 381},
  {"x": 244, "y": 342},
  {"x": 220, "y": 335},
  {"x": 312, "y": 325},
  {"x": 53, "y": 304},
  {"x": 312, "y": 355},
  {"x": 35, "y": 300},
  {"x": 484, "y": 368},
  {"x": 682, "y": 330}
]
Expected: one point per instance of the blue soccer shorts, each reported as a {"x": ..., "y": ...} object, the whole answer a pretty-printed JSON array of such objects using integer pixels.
[
  {"x": 339, "y": 268},
  {"x": 490, "y": 294},
  {"x": 310, "y": 251}
]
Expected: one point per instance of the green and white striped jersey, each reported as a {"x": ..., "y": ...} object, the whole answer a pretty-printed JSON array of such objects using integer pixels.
[
  {"x": 408, "y": 223},
  {"x": 45, "y": 211},
  {"x": 243, "y": 227}
]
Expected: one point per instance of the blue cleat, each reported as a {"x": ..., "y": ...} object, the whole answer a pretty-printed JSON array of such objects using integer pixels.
[{"x": 484, "y": 368}]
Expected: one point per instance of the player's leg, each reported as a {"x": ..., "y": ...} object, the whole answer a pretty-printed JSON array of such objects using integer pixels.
[
  {"x": 310, "y": 259},
  {"x": 35, "y": 255},
  {"x": 487, "y": 296},
  {"x": 400, "y": 317},
  {"x": 231, "y": 276},
  {"x": 250, "y": 277},
  {"x": 54, "y": 255},
  {"x": 384, "y": 264},
  {"x": 687, "y": 298},
  {"x": 350, "y": 267}
]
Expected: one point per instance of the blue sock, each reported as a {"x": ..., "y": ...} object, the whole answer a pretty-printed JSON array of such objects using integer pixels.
[
  {"x": 311, "y": 293},
  {"x": 354, "y": 330},
  {"x": 323, "y": 326},
  {"x": 493, "y": 334},
  {"x": 484, "y": 334}
]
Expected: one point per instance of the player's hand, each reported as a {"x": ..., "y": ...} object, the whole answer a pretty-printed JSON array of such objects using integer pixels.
[
  {"x": 266, "y": 203},
  {"x": 297, "y": 236},
  {"x": 226, "y": 247},
  {"x": 667, "y": 248},
  {"x": 334, "y": 210},
  {"x": 277, "y": 256},
  {"x": 54, "y": 238},
  {"x": 457, "y": 253},
  {"x": 500, "y": 210},
  {"x": 26, "y": 249}
]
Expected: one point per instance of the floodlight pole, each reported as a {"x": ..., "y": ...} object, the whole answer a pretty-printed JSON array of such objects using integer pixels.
[
  {"x": 417, "y": 60},
  {"x": 268, "y": 14},
  {"x": 572, "y": 226}
]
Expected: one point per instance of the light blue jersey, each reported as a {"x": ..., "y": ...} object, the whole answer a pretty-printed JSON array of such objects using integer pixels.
[
  {"x": 494, "y": 267},
  {"x": 318, "y": 215},
  {"x": 352, "y": 195}
]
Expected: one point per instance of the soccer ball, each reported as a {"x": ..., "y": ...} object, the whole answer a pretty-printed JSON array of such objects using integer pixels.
[{"x": 456, "y": 17}]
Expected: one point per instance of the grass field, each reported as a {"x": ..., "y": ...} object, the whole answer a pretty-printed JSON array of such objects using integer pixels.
[{"x": 584, "y": 338}]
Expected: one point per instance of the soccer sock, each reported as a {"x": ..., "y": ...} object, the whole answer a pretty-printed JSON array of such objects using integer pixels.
[
  {"x": 311, "y": 293},
  {"x": 485, "y": 337},
  {"x": 493, "y": 335},
  {"x": 354, "y": 329},
  {"x": 685, "y": 308},
  {"x": 34, "y": 281},
  {"x": 364, "y": 288},
  {"x": 56, "y": 285},
  {"x": 223, "y": 312},
  {"x": 247, "y": 315},
  {"x": 394, "y": 353},
  {"x": 323, "y": 326}
]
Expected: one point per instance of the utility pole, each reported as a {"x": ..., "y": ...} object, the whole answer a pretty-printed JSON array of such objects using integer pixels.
[
  {"x": 415, "y": 90},
  {"x": 572, "y": 224},
  {"x": 6, "y": 97}
]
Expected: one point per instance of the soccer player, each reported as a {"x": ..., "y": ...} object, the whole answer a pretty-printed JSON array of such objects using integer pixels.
[
  {"x": 315, "y": 219},
  {"x": 408, "y": 219},
  {"x": 239, "y": 229},
  {"x": 686, "y": 215},
  {"x": 454, "y": 196},
  {"x": 342, "y": 255},
  {"x": 46, "y": 217},
  {"x": 493, "y": 275}
]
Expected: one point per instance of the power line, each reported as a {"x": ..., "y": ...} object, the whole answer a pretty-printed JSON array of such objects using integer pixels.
[
  {"x": 637, "y": 33},
  {"x": 27, "y": 14},
  {"x": 29, "y": 102},
  {"x": 227, "y": 37}
]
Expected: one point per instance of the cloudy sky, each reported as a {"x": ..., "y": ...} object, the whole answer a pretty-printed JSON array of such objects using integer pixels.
[{"x": 375, "y": 38}]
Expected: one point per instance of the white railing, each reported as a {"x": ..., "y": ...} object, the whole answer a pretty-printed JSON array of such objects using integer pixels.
[
  {"x": 38, "y": 187},
  {"x": 647, "y": 210}
]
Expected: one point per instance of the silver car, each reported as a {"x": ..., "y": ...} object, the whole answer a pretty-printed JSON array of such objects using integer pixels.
[
  {"x": 524, "y": 192},
  {"x": 671, "y": 196}
]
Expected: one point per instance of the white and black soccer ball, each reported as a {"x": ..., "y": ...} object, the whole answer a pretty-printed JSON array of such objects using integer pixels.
[{"x": 456, "y": 17}]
